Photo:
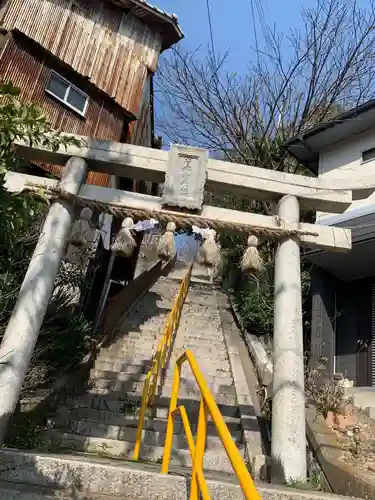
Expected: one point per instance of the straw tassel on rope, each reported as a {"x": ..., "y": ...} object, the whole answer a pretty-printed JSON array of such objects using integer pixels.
[
  {"x": 209, "y": 254},
  {"x": 166, "y": 248},
  {"x": 251, "y": 261},
  {"x": 81, "y": 229},
  {"x": 124, "y": 243}
]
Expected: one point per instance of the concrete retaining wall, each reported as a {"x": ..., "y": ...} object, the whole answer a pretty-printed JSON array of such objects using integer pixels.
[{"x": 342, "y": 477}]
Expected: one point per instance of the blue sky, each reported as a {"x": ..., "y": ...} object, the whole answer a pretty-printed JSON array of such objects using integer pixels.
[{"x": 232, "y": 23}]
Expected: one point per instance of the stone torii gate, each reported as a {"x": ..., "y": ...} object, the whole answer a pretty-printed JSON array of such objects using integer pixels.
[{"x": 186, "y": 172}]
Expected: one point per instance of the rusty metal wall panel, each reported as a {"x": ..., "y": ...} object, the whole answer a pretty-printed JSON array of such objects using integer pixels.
[
  {"x": 30, "y": 71},
  {"x": 98, "y": 40},
  {"x": 141, "y": 131}
]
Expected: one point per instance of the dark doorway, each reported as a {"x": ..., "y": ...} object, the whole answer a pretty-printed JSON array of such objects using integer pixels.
[
  {"x": 364, "y": 333},
  {"x": 354, "y": 331}
]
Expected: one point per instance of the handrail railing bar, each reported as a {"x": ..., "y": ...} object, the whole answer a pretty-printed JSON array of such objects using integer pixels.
[
  {"x": 142, "y": 414},
  {"x": 190, "y": 440},
  {"x": 170, "y": 422},
  {"x": 207, "y": 406},
  {"x": 155, "y": 374},
  {"x": 197, "y": 458},
  {"x": 185, "y": 422},
  {"x": 231, "y": 449},
  {"x": 241, "y": 471}
]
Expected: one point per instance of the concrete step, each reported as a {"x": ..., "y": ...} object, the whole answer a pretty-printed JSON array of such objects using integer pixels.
[
  {"x": 216, "y": 386},
  {"x": 67, "y": 417},
  {"x": 201, "y": 313},
  {"x": 119, "y": 376},
  {"x": 215, "y": 460},
  {"x": 190, "y": 397},
  {"x": 139, "y": 326},
  {"x": 201, "y": 336},
  {"x": 36, "y": 476},
  {"x": 131, "y": 377},
  {"x": 129, "y": 403},
  {"x": 136, "y": 357},
  {"x": 150, "y": 437},
  {"x": 187, "y": 387},
  {"x": 122, "y": 366},
  {"x": 208, "y": 352},
  {"x": 125, "y": 347},
  {"x": 202, "y": 308},
  {"x": 197, "y": 300},
  {"x": 209, "y": 367},
  {"x": 134, "y": 335},
  {"x": 221, "y": 372},
  {"x": 198, "y": 341},
  {"x": 201, "y": 333},
  {"x": 117, "y": 385},
  {"x": 159, "y": 307},
  {"x": 204, "y": 329},
  {"x": 228, "y": 398}
]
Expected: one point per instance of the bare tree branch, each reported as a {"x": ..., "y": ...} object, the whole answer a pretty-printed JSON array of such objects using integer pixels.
[{"x": 291, "y": 83}]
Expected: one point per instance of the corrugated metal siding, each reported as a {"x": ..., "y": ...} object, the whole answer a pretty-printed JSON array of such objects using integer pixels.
[
  {"x": 140, "y": 131},
  {"x": 30, "y": 71},
  {"x": 97, "y": 39}
]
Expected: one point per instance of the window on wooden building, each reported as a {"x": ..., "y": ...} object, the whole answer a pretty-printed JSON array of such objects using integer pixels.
[{"x": 68, "y": 94}]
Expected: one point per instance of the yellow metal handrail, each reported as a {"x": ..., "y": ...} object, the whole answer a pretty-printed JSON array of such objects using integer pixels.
[
  {"x": 207, "y": 406},
  {"x": 159, "y": 359}
]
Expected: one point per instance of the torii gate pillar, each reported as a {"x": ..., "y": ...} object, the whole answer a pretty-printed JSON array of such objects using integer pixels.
[
  {"x": 28, "y": 314},
  {"x": 288, "y": 402}
]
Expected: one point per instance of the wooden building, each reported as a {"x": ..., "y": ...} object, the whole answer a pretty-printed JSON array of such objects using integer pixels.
[{"x": 88, "y": 64}]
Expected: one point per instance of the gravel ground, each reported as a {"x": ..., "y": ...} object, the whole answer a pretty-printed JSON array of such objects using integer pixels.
[{"x": 365, "y": 458}]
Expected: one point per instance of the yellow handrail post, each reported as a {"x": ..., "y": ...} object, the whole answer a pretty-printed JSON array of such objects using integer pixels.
[
  {"x": 170, "y": 424},
  {"x": 186, "y": 424},
  {"x": 244, "y": 477},
  {"x": 141, "y": 420},
  {"x": 200, "y": 445}
]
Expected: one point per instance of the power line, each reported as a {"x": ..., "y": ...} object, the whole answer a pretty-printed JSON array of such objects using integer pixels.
[
  {"x": 255, "y": 29},
  {"x": 210, "y": 26},
  {"x": 261, "y": 17}
]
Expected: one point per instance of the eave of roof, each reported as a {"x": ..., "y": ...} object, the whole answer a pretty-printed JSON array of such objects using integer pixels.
[
  {"x": 306, "y": 146},
  {"x": 165, "y": 23}
]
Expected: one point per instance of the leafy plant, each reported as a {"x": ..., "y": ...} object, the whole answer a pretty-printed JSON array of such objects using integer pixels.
[
  {"x": 24, "y": 122},
  {"x": 27, "y": 434},
  {"x": 313, "y": 483},
  {"x": 326, "y": 393}
]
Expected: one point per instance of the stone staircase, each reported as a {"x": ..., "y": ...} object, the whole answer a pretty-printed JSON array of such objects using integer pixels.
[{"x": 103, "y": 420}]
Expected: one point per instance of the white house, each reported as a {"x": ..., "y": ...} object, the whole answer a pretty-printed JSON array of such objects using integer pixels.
[{"x": 343, "y": 285}]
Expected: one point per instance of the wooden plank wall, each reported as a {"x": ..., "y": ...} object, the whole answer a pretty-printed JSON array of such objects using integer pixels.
[
  {"x": 29, "y": 69},
  {"x": 97, "y": 39}
]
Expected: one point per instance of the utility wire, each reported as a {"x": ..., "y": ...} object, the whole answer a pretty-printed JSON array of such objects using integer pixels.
[
  {"x": 255, "y": 30},
  {"x": 211, "y": 30}
]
